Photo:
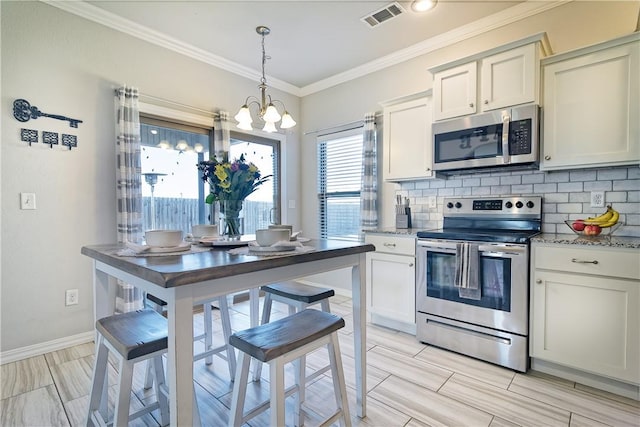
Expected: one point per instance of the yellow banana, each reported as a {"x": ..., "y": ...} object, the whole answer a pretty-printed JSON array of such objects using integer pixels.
[
  {"x": 605, "y": 217},
  {"x": 613, "y": 221}
]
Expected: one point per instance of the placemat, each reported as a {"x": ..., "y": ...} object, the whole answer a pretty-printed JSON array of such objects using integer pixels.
[{"x": 128, "y": 252}]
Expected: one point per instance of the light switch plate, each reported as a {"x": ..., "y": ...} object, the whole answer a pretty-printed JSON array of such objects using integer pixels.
[
  {"x": 432, "y": 202},
  {"x": 597, "y": 199},
  {"x": 27, "y": 200}
]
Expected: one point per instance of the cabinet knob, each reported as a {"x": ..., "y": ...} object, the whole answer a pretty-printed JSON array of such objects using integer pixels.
[
  {"x": 428, "y": 169},
  {"x": 410, "y": 264},
  {"x": 486, "y": 102},
  {"x": 538, "y": 281},
  {"x": 471, "y": 104},
  {"x": 578, "y": 261},
  {"x": 547, "y": 157}
]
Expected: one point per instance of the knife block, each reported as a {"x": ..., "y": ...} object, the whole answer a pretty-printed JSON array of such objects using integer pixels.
[{"x": 404, "y": 220}]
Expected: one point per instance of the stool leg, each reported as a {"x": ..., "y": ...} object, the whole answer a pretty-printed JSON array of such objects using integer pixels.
[
  {"x": 208, "y": 333},
  {"x": 158, "y": 373},
  {"x": 324, "y": 305},
  {"x": 98, "y": 381},
  {"x": 266, "y": 315},
  {"x": 148, "y": 376},
  {"x": 226, "y": 330},
  {"x": 299, "y": 366},
  {"x": 339, "y": 387},
  {"x": 121, "y": 416},
  {"x": 276, "y": 389},
  {"x": 239, "y": 390}
]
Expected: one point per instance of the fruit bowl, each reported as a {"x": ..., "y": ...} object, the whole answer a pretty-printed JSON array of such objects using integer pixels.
[{"x": 591, "y": 232}]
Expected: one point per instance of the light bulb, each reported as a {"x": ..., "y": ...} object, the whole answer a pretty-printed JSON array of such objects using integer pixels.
[
  {"x": 423, "y": 5},
  {"x": 269, "y": 127},
  {"x": 287, "y": 121},
  {"x": 198, "y": 148},
  {"x": 164, "y": 144},
  {"x": 182, "y": 145},
  {"x": 271, "y": 114},
  {"x": 244, "y": 125}
]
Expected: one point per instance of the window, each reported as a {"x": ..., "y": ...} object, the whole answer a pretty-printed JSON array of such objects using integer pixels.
[
  {"x": 339, "y": 183},
  {"x": 172, "y": 192}
]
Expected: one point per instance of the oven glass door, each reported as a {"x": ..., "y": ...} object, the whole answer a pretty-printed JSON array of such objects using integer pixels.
[{"x": 494, "y": 280}]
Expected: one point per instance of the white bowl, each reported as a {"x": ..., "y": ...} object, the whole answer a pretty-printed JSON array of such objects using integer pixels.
[
  {"x": 163, "y": 238},
  {"x": 204, "y": 230},
  {"x": 268, "y": 237},
  {"x": 280, "y": 226}
]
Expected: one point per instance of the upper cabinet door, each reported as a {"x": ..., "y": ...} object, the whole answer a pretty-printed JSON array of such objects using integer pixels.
[
  {"x": 591, "y": 107},
  {"x": 407, "y": 140},
  {"x": 509, "y": 78},
  {"x": 454, "y": 91}
]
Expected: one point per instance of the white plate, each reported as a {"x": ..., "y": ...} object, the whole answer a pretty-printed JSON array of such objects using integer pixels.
[
  {"x": 267, "y": 249},
  {"x": 302, "y": 239},
  {"x": 218, "y": 241},
  {"x": 184, "y": 246}
]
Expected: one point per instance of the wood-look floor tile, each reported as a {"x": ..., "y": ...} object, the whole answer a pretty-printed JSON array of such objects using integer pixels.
[
  {"x": 421, "y": 373},
  {"x": 603, "y": 410},
  {"x": 607, "y": 395},
  {"x": 505, "y": 404},
  {"x": 426, "y": 405},
  {"x": 415, "y": 423},
  {"x": 578, "y": 420},
  {"x": 71, "y": 353},
  {"x": 23, "y": 376},
  {"x": 374, "y": 375},
  {"x": 499, "y": 422},
  {"x": 39, "y": 407},
  {"x": 73, "y": 378},
  {"x": 396, "y": 341},
  {"x": 483, "y": 371}
]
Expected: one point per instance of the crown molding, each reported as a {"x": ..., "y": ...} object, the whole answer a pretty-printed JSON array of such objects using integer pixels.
[{"x": 497, "y": 20}]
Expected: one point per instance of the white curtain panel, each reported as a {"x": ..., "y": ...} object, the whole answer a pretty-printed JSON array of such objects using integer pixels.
[
  {"x": 222, "y": 134},
  {"x": 368, "y": 193},
  {"x": 128, "y": 186}
]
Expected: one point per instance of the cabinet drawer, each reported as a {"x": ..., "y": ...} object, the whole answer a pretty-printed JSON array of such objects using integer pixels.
[
  {"x": 392, "y": 244},
  {"x": 603, "y": 261}
]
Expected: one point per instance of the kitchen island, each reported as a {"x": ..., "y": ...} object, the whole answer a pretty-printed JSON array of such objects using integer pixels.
[{"x": 184, "y": 280}]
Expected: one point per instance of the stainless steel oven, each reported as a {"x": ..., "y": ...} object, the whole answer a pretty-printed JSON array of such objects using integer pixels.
[{"x": 483, "y": 314}]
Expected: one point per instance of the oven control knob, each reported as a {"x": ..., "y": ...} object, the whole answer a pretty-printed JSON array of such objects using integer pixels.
[
  {"x": 519, "y": 205},
  {"x": 450, "y": 205},
  {"x": 508, "y": 205},
  {"x": 458, "y": 205},
  {"x": 530, "y": 204}
]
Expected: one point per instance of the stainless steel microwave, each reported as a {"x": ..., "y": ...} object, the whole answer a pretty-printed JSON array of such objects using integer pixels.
[{"x": 505, "y": 137}]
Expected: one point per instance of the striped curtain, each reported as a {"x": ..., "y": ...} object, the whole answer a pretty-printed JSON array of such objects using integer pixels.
[
  {"x": 128, "y": 186},
  {"x": 368, "y": 194},
  {"x": 222, "y": 134}
]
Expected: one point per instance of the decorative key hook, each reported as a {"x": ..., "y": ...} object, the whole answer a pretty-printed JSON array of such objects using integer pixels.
[{"x": 23, "y": 112}]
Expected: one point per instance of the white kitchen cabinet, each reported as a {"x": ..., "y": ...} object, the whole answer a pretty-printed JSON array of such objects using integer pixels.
[
  {"x": 591, "y": 106},
  {"x": 407, "y": 148},
  {"x": 585, "y": 309},
  {"x": 508, "y": 76},
  {"x": 391, "y": 279}
]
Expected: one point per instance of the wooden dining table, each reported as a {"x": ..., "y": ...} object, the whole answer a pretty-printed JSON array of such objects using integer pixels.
[{"x": 182, "y": 280}]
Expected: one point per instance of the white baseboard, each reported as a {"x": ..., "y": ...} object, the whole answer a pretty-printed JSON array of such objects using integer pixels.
[{"x": 45, "y": 347}]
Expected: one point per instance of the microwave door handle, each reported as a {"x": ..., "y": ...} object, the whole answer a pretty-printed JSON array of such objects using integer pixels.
[{"x": 506, "y": 120}]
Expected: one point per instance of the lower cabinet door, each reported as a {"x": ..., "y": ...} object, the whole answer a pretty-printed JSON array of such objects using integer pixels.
[
  {"x": 587, "y": 322},
  {"x": 391, "y": 287}
]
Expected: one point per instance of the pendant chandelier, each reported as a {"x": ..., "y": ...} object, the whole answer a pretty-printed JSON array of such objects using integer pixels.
[{"x": 267, "y": 111}]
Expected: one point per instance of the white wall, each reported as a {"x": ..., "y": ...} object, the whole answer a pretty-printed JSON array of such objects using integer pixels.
[{"x": 67, "y": 65}]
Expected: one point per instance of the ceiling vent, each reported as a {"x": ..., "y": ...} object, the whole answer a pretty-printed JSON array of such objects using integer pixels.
[{"x": 383, "y": 15}]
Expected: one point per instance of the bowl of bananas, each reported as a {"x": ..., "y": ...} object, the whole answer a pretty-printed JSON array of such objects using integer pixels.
[{"x": 601, "y": 225}]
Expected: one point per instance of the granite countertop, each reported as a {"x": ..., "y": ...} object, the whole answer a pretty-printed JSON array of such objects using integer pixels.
[
  {"x": 572, "y": 239},
  {"x": 409, "y": 232}
]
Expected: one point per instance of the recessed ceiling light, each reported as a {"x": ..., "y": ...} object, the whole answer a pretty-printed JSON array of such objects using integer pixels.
[
  {"x": 154, "y": 131},
  {"x": 423, "y": 5}
]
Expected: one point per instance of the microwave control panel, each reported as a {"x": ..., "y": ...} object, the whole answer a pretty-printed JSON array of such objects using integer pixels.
[{"x": 520, "y": 137}]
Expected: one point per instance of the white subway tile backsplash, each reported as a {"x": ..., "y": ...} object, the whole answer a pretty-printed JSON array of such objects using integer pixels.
[{"x": 566, "y": 194}]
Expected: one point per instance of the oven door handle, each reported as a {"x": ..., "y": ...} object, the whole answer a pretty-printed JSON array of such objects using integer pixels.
[{"x": 502, "y": 249}]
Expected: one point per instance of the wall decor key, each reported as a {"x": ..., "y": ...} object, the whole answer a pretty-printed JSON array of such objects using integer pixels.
[{"x": 23, "y": 111}]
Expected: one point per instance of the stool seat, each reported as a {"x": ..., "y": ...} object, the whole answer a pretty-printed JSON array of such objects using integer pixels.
[
  {"x": 268, "y": 341},
  {"x": 157, "y": 301},
  {"x": 299, "y": 292},
  {"x": 135, "y": 334}
]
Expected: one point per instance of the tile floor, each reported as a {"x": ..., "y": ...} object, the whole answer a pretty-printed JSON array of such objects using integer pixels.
[{"x": 409, "y": 384}]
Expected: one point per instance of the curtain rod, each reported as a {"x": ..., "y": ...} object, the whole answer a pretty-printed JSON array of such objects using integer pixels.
[
  {"x": 165, "y": 102},
  {"x": 339, "y": 128}
]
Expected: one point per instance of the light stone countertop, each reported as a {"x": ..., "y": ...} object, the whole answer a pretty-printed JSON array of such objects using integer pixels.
[
  {"x": 572, "y": 239},
  {"x": 409, "y": 232}
]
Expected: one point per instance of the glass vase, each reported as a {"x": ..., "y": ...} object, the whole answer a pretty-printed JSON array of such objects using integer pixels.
[{"x": 231, "y": 220}]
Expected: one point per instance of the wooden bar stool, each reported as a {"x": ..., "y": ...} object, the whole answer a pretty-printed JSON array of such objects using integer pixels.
[
  {"x": 298, "y": 297},
  {"x": 277, "y": 343},
  {"x": 131, "y": 337}
]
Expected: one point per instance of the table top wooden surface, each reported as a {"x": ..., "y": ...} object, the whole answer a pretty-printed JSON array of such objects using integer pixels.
[{"x": 184, "y": 269}]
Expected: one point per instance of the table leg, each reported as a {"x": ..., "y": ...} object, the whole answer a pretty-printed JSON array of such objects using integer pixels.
[
  {"x": 180, "y": 357},
  {"x": 358, "y": 294}
]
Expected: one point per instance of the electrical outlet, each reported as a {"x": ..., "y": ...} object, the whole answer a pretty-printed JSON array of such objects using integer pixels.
[
  {"x": 432, "y": 202},
  {"x": 71, "y": 297},
  {"x": 597, "y": 199}
]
